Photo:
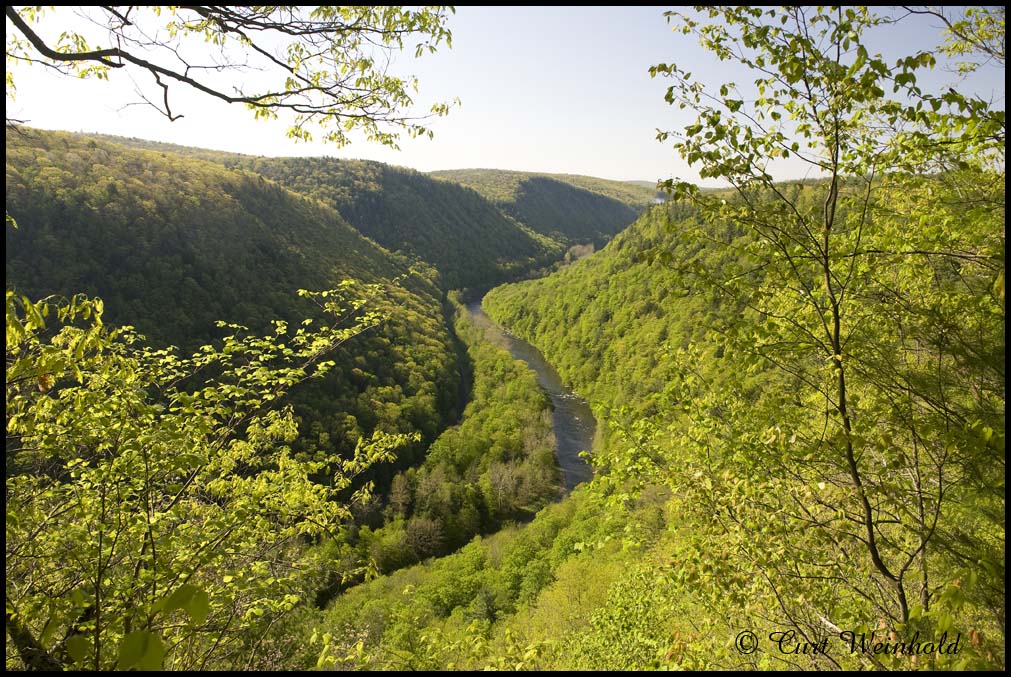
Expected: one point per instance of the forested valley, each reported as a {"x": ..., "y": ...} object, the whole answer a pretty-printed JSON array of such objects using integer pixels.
[{"x": 251, "y": 423}]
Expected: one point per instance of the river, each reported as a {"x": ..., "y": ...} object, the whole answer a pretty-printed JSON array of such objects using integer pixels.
[{"x": 574, "y": 424}]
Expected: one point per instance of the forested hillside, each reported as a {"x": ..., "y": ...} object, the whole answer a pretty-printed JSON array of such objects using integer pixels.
[
  {"x": 453, "y": 228},
  {"x": 508, "y": 223},
  {"x": 497, "y": 466},
  {"x": 466, "y": 237},
  {"x": 174, "y": 240},
  {"x": 565, "y": 207},
  {"x": 173, "y": 245},
  {"x": 502, "y": 185},
  {"x": 721, "y": 397},
  {"x": 593, "y": 318},
  {"x": 690, "y": 529}
]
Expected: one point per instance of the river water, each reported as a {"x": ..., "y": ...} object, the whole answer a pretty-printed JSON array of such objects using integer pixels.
[{"x": 574, "y": 423}]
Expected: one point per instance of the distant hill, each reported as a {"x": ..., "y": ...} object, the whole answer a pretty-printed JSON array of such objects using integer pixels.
[
  {"x": 174, "y": 243},
  {"x": 502, "y": 185},
  {"x": 468, "y": 239},
  {"x": 507, "y": 223},
  {"x": 629, "y": 192},
  {"x": 567, "y": 207}
]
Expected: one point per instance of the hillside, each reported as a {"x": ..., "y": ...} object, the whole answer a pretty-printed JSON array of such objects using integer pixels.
[
  {"x": 684, "y": 373},
  {"x": 496, "y": 467},
  {"x": 278, "y": 414},
  {"x": 644, "y": 184},
  {"x": 476, "y": 227},
  {"x": 468, "y": 239},
  {"x": 566, "y": 207},
  {"x": 173, "y": 244},
  {"x": 448, "y": 226},
  {"x": 693, "y": 338},
  {"x": 593, "y": 318},
  {"x": 669, "y": 552},
  {"x": 673, "y": 332},
  {"x": 502, "y": 185}
]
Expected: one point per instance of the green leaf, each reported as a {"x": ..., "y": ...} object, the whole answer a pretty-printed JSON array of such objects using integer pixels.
[
  {"x": 191, "y": 599},
  {"x": 180, "y": 597},
  {"x": 199, "y": 606},
  {"x": 77, "y": 647},
  {"x": 141, "y": 649},
  {"x": 131, "y": 649}
]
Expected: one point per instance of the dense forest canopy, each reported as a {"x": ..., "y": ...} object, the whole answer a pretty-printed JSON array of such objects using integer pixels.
[
  {"x": 472, "y": 239},
  {"x": 568, "y": 208},
  {"x": 146, "y": 487},
  {"x": 465, "y": 237},
  {"x": 173, "y": 245},
  {"x": 503, "y": 186},
  {"x": 829, "y": 402}
]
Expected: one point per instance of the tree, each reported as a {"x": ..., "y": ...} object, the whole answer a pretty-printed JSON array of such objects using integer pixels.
[
  {"x": 977, "y": 32},
  {"x": 864, "y": 484},
  {"x": 155, "y": 514},
  {"x": 327, "y": 67}
]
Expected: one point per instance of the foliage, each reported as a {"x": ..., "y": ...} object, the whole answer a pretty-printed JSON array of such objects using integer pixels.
[
  {"x": 598, "y": 320},
  {"x": 325, "y": 68},
  {"x": 500, "y": 602},
  {"x": 832, "y": 411},
  {"x": 973, "y": 32},
  {"x": 837, "y": 319},
  {"x": 564, "y": 207},
  {"x": 804, "y": 383},
  {"x": 501, "y": 185},
  {"x": 605, "y": 310},
  {"x": 170, "y": 244},
  {"x": 155, "y": 514},
  {"x": 496, "y": 466},
  {"x": 467, "y": 239}
]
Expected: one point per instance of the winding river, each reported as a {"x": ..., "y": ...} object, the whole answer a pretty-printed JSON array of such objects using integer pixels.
[{"x": 574, "y": 424}]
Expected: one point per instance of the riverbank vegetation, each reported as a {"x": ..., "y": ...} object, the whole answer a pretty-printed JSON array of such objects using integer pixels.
[{"x": 495, "y": 467}]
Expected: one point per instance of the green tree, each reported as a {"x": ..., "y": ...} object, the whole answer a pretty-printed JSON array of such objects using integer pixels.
[
  {"x": 155, "y": 524},
  {"x": 975, "y": 32},
  {"x": 874, "y": 300},
  {"x": 156, "y": 516},
  {"x": 325, "y": 67}
]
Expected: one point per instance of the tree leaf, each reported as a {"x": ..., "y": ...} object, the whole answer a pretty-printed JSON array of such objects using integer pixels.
[
  {"x": 141, "y": 649},
  {"x": 77, "y": 647},
  {"x": 198, "y": 606},
  {"x": 180, "y": 597}
]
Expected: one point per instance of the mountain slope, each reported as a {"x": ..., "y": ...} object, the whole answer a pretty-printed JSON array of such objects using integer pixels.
[
  {"x": 468, "y": 239},
  {"x": 723, "y": 483},
  {"x": 695, "y": 340},
  {"x": 173, "y": 244},
  {"x": 594, "y": 319},
  {"x": 567, "y": 207},
  {"x": 451, "y": 227},
  {"x": 478, "y": 227},
  {"x": 501, "y": 185}
]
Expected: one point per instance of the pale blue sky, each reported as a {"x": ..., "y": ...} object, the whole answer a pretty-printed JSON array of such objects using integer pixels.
[{"x": 549, "y": 89}]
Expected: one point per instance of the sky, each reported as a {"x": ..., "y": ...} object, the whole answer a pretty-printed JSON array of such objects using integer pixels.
[{"x": 544, "y": 89}]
